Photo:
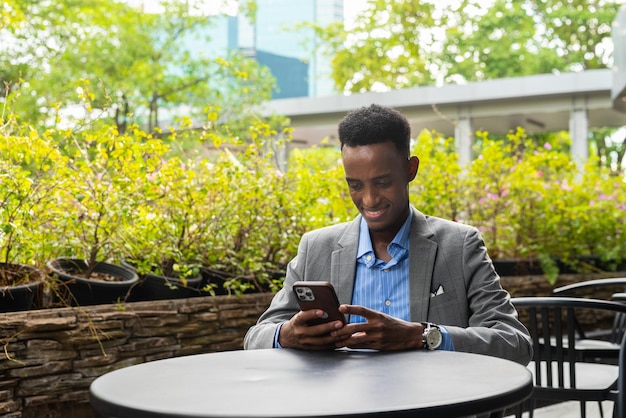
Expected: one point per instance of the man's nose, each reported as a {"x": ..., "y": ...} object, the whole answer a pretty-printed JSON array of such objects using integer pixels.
[{"x": 370, "y": 197}]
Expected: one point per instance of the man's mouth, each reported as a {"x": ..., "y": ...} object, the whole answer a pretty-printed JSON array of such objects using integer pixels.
[{"x": 372, "y": 214}]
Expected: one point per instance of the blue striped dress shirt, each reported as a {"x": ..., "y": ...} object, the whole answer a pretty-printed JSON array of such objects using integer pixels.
[{"x": 384, "y": 286}]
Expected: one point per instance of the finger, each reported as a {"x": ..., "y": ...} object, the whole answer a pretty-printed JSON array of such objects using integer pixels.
[
  {"x": 358, "y": 340},
  {"x": 350, "y": 329},
  {"x": 357, "y": 310},
  {"x": 303, "y": 317}
]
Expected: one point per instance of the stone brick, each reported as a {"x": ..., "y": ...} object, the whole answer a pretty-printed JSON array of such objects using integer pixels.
[
  {"x": 9, "y": 407},
  {"x": 107, "y": 345},
  {"x": 162, "y": 320},
  {"x": 49, "y": 368},
  {"x": 104, "y": 326},
  {"x": 227, "y": 345},
  {"x": 89, "y": 339},
  {"x": 199, "y": 305},
  {"x": 39, "y": 400},
  {"x": 42, "y": 345},
  {"x": 96, "y": 361},
  {"x": 45, "y": 356},
  {"x": 52, "y": 385},
  {"x": 5, "y": 395},
  {"x": 93, "y": 372},
  {"x": 162, "y": 355},
  {"x": 8, "y": 383},
  {"x": 205, "y": 317},
  {"x": 49, "y": 324},
  {"x": 13, "y": 360}
]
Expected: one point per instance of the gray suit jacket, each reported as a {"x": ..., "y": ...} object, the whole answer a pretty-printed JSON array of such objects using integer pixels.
[{"x": 443, "y": 254}]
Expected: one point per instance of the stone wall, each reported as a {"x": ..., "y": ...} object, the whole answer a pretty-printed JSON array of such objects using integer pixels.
[{"x": 51, "y": 356}]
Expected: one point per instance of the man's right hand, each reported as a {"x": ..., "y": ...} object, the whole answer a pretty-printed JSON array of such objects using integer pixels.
[{"x": 296, "y": 333}]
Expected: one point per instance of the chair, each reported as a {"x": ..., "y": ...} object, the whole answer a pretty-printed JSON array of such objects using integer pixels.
[
  {"x": 603, "y": 344},
  {"x": 618, "y": 395},
  {"x": 559, "y": 372}
]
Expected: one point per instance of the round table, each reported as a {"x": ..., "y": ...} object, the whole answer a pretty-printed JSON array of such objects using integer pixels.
[{"x": 294, "y": 383}]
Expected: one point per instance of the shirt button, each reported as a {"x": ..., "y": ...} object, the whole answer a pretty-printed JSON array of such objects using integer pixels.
[
  {"x": 387, "y": 302},
  {"x": 386, "y": 270},
  {"x": 369, "y": 258}
]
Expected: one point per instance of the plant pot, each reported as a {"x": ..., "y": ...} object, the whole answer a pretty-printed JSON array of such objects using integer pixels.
[
  {"x": 26, "y": 290},
  {"x": 153, "y": 287},
  {"x": 222, "y": 282},
  {"x": 76, "y": 290},
  {"x": 588, "y": 264},
  {"x": 517, "y": 267},
  {"x": 214, "y": 279}
]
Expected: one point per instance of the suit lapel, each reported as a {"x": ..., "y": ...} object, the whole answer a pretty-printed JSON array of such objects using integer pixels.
[
  {"x": 422, "y": 255},
  {"x": 343, "y": 262}
]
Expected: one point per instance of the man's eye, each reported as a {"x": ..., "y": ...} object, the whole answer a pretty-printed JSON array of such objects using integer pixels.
[
  {"x": 383, "y": 184},
  {"x": 354, "y": 186}
]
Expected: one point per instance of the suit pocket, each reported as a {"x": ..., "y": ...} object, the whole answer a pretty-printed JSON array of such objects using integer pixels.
[{"x": 445, "y": 309}]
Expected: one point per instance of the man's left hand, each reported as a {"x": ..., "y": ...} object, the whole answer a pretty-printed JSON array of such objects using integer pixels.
[{"x": 380, "y": 331}]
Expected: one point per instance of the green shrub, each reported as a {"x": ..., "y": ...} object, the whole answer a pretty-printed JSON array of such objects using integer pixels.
[
  {"x": 528, "y": 201},
  {"x": 102, "y": 195}
]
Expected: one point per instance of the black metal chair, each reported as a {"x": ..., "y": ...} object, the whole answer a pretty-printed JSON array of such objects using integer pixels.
[
  {"x": 559, "y": 372},
  {"x": 602, "y": 344},
  {"x": 607, "y": 283}
]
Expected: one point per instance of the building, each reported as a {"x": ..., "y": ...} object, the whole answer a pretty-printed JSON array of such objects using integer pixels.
[{"x": 275, "y": 40}]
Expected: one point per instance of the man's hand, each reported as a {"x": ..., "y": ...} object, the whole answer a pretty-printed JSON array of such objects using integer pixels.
[
  {"x": 379, "y": 332},
  {"x": 296, "y": 333}
]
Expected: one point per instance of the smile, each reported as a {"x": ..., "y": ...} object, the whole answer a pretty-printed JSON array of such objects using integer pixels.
[{"x": 373, "y": 213}]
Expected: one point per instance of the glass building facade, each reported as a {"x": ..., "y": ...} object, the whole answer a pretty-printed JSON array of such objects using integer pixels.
[{"x": 275, "y": 41}]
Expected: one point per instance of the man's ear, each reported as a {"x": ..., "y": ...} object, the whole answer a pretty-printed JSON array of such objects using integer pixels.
[{"x": 414, "y": 164}]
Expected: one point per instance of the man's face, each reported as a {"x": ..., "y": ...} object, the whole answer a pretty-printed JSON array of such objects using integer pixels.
[{"x": 378, "y": 176}]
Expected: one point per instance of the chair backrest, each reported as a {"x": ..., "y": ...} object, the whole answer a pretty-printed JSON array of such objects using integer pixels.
[
  {"x": 620, "y": 401},
  {"x": 608, "y": 286},
  {"x": 618, "y": 284},
  {"x": 553, "y": 325}
]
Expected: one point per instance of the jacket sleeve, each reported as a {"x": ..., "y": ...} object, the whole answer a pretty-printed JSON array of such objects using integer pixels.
[
  {"x": 493, "y": 327},
  {"x": 283, "y": 305}
]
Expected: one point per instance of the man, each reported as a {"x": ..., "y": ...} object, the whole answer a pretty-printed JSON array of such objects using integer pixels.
[{"x": 406, "y": 280}]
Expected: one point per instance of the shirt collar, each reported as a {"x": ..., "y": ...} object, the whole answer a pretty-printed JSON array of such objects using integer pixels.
[{"x": 401, "y": 239}]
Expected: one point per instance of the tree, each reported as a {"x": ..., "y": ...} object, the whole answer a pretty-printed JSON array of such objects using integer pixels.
[
  {"x": 512, "y": 38},
  {"x": 610, "y": 147},
  {"x": 398, "y": 44},
  {"x": 127, "y": 65},
  {"x": 387, "y": 48}
]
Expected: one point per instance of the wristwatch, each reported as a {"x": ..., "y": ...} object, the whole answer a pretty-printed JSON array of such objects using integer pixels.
[{"x": 431, "y": 337}]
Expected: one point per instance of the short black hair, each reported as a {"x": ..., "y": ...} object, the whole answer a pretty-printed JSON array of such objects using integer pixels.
[{"x": 373, "y": 125}]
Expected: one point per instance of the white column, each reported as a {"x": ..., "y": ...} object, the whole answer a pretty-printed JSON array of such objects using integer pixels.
[
  {"x": 579, "y": 131},
  {"x": 464, "y": 139}
]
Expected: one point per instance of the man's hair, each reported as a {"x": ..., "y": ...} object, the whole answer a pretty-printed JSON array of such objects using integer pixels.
[{"x": 373, "y": 125}]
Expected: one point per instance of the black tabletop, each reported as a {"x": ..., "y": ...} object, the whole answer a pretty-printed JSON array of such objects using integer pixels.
[{"x": 293, "y": 383}]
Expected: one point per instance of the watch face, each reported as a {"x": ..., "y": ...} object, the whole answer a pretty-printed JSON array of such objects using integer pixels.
[{"x": 433, "y": 338}]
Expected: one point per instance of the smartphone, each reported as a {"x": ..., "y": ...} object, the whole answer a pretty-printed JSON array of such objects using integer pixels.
[{"x": 319, "y": 295}]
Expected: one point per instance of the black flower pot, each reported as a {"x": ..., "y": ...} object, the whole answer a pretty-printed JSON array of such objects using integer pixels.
[
  {"x": 517, "y": 267},
  {"x": 77, "y": 290},
  {"x": 153, "y": 287},
  {"x": 215, "y": 279},
  {"x": 22, "y": 296}
]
